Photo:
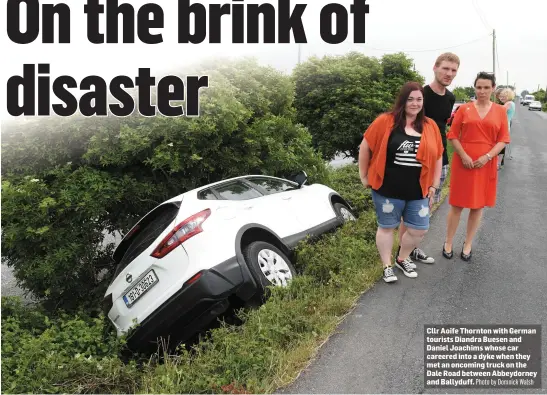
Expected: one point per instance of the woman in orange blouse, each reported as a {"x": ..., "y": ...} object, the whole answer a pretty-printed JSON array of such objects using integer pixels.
[
  {"x": 479, "y": 132},
  {"x": 400, "y": 159}
]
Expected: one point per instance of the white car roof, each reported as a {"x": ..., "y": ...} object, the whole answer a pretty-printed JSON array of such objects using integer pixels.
[{"x": 194, "y": 191}]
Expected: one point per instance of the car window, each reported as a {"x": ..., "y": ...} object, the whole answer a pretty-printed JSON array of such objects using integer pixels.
[
  {"x": 273, "y": 185},
  {"x": 237, "y": 190},
  {"x": 206, "y": 194},
  {"x": 144, "y": 234}
]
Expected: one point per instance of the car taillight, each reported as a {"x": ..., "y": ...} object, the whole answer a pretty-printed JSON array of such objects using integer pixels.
[{"x": 182, "y": 232}]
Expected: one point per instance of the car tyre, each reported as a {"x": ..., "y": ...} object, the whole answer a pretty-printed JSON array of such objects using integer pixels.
[
  {"x": 269, "y": 266},
  {"x": 344, "y": 212}
]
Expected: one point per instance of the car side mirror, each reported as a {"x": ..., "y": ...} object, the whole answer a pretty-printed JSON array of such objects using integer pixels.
[{"x": 301, "y": 178}]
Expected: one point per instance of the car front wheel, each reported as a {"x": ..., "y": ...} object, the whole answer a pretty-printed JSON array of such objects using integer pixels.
[
  {"x": 269, "y": 266},
  {"x": 344, "y": 212}
]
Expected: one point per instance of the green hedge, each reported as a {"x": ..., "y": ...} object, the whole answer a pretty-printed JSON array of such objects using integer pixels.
[
  {"x": 77, "y": 353},
  {"x": 66, "y": 182}
]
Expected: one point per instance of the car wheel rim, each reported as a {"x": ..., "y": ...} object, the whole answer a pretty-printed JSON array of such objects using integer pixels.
[
  {"x": 274, "y": 267},
  {"x": 346, "y": 214}
]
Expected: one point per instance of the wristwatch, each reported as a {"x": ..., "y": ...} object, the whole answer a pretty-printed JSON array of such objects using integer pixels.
[{"x": 488, "y": 156}]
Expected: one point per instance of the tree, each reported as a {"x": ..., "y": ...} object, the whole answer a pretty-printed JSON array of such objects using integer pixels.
[
  {"x": 67, "y": 183},
  {"x": 470, "y": 91},
  {"x": 524, "y": 93},
  {"x": 540, "y": 95},
  {"x": 461, "y": 94},
  {"x": 337, "y": 97}
]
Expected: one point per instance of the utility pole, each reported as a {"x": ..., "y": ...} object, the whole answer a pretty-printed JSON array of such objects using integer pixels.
[
  {"x": 507, "y": 78},
  {"x": 494, "y": 51}
]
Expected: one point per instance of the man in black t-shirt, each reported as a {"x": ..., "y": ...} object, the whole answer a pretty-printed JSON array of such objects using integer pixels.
[{"x": 438, "y": 104}]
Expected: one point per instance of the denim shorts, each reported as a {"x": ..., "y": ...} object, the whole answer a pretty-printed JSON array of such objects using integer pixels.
[{"x": 389, "y": 211}]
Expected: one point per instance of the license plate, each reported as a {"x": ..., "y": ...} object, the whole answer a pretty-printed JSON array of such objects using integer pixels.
[{"x": 140, "y": 288}]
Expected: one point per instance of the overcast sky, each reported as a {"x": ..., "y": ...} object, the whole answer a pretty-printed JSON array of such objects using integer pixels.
[{"x": 421, "y": 28}]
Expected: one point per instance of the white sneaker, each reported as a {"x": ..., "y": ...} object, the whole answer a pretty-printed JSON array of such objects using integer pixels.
[
  {"x": 412, "y": 264},
  {"x": 406, "y": 267},
  {"x": 419, "y": 255},
  {"x": 389, "y": 276}
]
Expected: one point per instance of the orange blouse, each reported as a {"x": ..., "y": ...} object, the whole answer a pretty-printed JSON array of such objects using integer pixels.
[{"x": 430, "y": 150}]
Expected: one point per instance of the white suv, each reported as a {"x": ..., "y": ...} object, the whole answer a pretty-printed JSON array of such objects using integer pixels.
[{"x": 188, "y": 259}]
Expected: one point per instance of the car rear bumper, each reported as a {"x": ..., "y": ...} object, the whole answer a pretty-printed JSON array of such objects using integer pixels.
[{"x": 194, "y": 306}]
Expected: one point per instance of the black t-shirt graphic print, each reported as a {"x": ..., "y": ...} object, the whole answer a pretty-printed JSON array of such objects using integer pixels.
[{"x": 402, "y": 174}]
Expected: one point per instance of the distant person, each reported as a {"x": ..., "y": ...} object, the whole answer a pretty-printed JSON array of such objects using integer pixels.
[
  {"x": 438, "y": 105},
  {"x": 400, "y": 158},
  {"x": 497, "y": 96},
  {"x": 479, "y": 132},
  {"x": 506, "y": 97}
]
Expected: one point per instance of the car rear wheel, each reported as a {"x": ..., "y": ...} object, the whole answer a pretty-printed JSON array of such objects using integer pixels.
[
  {"x": 269, "y": 266},
  {"x": 344, "y": 212}
]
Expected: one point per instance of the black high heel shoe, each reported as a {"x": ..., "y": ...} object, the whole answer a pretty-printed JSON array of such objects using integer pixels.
[
  {"x": 466, "y": 257},
  {"x": 447, "y": 255}
]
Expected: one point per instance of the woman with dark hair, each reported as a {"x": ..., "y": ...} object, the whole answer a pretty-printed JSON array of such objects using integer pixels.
[
  {"x": 478, "y": 133},
  {"x": 401, "y": 159}
]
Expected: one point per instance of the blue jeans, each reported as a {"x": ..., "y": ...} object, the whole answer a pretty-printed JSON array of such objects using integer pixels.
[{"x": 389, "y": 211}]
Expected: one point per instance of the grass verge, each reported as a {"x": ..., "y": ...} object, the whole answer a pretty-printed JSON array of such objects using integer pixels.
[{"x": 68, "y": 354}]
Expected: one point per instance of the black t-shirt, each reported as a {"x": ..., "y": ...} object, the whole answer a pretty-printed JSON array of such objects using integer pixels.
[
  {"x": 439, "y": 108},
  {"x": 402, "y": 174}
]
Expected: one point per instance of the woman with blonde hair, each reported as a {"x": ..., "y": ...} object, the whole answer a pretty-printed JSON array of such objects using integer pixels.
[{"x": 506, "y": 97}]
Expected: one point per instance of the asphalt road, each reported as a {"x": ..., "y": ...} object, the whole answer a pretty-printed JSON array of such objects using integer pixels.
[{"x": 379, "y": 348}]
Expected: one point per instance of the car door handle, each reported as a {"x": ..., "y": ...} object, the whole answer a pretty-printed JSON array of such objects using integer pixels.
[
  {"x": 287, "y": 197},
  {"x": 247, "y": 207}
]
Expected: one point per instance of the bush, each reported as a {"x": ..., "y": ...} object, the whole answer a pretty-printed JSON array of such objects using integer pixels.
[
  {"x": 65, "y": 353},
  {"x": 347, "y": 182},
  {"x": 62, "y": 353},
  {"x": 337, "y": 97},
  {"x": 67, "y": 184}
]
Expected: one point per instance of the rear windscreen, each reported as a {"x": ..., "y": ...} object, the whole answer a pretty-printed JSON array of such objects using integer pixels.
[{"x": 148, "y": 230}]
